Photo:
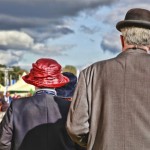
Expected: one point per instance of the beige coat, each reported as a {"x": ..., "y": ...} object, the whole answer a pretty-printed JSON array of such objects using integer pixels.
[{"x": 111, "y": 104}]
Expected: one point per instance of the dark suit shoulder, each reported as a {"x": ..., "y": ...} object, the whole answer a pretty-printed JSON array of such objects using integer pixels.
[{"x": 20, "y": 100}]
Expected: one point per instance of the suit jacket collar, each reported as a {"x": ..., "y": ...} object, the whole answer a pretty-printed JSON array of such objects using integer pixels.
[{"x": 132, "y": 51}]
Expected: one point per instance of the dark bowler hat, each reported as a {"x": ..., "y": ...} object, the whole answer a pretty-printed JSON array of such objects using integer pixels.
[{"x": 135, "y": 17}]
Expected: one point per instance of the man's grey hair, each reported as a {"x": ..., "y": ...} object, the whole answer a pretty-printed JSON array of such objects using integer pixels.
[{"x": 136, "y": 36}]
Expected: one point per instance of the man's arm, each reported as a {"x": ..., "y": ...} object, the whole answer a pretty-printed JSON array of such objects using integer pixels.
[
  {"x": 6, "y": 127},
  {"x": 78, "y": 117}
]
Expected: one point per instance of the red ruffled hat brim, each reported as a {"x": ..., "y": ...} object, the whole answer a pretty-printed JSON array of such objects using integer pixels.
[{"x": 42, "y": 82}]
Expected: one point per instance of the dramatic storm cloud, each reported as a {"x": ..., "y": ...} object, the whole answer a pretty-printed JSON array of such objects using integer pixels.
[
  {"x": 25, "y": 25},
  {"x": 64, "y": 29},
  {"x": 16, "y": 14}
]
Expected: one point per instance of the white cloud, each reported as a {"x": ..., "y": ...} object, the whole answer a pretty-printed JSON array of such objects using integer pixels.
[
  {"x": 14, "y": 44},
  {"x": 15, "y": 40},
  {"x": 10, "y": 58},
  {"x": 53, "y": 50},
  {"x": 111, "y": 43}
]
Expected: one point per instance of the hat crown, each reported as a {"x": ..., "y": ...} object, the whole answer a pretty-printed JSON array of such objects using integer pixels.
[
  {"x": 45, "y": 67},
  {"x": 138, "y": 14},
  {"x": 43, "y": 63}
]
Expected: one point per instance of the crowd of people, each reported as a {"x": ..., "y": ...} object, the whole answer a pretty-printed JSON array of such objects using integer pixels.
[{"x": 106, "y": 108}]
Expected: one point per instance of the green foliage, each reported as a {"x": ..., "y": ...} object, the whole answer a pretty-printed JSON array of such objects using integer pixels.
[
  {"x": 17, "y": 71},
  {"x": 70, "y": 68}
]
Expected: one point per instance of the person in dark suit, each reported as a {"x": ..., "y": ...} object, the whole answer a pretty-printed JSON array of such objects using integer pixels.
[
  {"x": 66, "y": 92},
  {"x": 111, "y": 104},
  {"x": 8, "y": 97},
  {"x": 38, "y": 122}
]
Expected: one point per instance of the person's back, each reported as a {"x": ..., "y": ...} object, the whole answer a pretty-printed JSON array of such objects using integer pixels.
[
  {"x": 110, "y": 108},
  {"x": 46, "y": 130},
  {"x": 38, "y": 122},
  {"x": 120, "y": 110}
]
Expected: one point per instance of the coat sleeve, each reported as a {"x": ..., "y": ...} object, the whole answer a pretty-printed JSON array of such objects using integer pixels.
[
  {"x": 6, "y": 127},
  {"x": 78, "y": 116}
]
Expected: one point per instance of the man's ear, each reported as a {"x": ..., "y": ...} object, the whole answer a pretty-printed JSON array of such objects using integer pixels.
[{"x": 122, "y": 41}]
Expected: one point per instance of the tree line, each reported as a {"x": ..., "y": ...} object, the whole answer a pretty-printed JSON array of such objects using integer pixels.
[{"x": 17, "y": 72}]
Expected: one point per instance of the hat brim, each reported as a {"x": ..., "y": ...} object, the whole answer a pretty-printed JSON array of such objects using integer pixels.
[
  {"x": 130, "y": 23},
  {"x": 38, "y": 83}
]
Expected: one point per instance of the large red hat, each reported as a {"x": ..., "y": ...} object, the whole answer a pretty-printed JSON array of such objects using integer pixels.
[{"x": 46, "y": 73}]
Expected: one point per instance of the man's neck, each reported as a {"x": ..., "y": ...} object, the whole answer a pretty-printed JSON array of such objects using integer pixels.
[{"x": 126, "y": 47}]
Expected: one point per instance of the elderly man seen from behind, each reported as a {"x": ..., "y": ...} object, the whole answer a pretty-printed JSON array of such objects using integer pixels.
[{"x": 111, "y": 105}]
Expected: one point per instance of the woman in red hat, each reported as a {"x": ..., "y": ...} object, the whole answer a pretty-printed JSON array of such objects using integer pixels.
[{"x": 38, "y": 122}]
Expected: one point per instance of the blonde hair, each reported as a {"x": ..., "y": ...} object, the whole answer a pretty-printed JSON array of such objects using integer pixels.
[{"x": 136, "y": 36}]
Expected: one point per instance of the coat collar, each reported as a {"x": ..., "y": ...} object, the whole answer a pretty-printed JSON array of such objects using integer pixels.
[
  {"x": 133, "y": 51},
  {"x": 46, "y": 91}
]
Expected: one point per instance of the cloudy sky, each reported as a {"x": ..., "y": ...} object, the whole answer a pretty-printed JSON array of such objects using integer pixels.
[{"x": 74, "y": 32}]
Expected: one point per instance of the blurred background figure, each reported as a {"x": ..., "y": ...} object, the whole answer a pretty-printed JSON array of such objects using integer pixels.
[
  {"x": 1, "y": 104},
  {"x": 1, "y": 97},
  {"x": 8, "y": 98},
  {"x": 15, "y": 96}
]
